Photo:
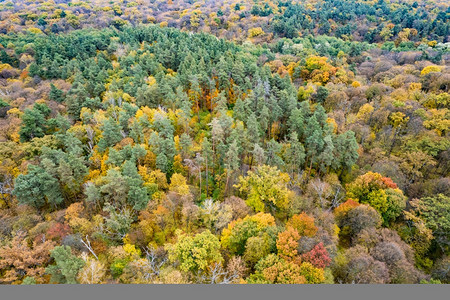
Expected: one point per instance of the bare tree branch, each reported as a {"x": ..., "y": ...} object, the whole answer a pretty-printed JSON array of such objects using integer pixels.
[{"x": 87, "y": 244}]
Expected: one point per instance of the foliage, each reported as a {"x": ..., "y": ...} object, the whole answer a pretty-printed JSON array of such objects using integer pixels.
[
  {"x": 67, "y": 265},
  {"x": 380, "y": 192},
  {"x": 435, "y": 211},
  {"x": 195, "y": 253},
  {"x": 22, "y": 261},
  {"x": 266, "y": 188},
  {"x": 303, "y": 223},
  {"x": 224, "y": 142}
]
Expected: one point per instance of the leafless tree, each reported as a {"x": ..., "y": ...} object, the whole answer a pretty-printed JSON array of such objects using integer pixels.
[
  {"x": 88, "y": 246},
  {"x": 218, "y": 275},
  {"x": 195, "y": 165},
  {"x": 155, "y": 259},
  {"x": 6, "y": 187},
  {"x": 337, "y": 199},
  {"x": 90, "y": 135},
  {"x": 322, "y": 190}
]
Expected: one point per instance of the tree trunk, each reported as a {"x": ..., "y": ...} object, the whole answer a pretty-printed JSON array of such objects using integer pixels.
[{"x": 207, "y": 179}]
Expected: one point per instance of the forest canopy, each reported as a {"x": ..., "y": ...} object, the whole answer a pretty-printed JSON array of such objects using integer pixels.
[{"x": 259, "y": 142}]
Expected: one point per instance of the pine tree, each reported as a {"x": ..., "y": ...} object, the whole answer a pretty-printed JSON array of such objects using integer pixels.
[
  {"x": 253, "y": 129},
  {"x": 137, "y": 195},
  {"x": 240, "y": 110},
  {"x": 37, "y": 188},
  {"x": 34, "y": 122},
  {"x": 56, "y": 94},
  {"x": 346, "y": 151},
  {"x": 296, "y": 122},
  {"x": 111, "y": 134},
  {"x": 67, "y": 265},
  {"x": 231, "y": 162},
  {"x": 326, "y": 157},
  {"x": 185, "y": 144},
  {"x": 272, "y": 153},
  {"x": 207, "y": 154},
  {"x": 220, "y": 103},
  {"x": 259, "y": 155},
  {"x": 296, "y": 153},
  {"x": 264, "y": 119},
  {"x": 162, "y": 162},
  {"x": 76, "y": 96}
]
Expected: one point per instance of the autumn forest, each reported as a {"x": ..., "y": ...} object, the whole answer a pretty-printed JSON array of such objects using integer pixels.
[{"x": 225, "y": 142}]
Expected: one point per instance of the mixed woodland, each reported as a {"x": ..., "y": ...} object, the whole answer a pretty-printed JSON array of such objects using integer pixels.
[{"x": 225, "y": 142}]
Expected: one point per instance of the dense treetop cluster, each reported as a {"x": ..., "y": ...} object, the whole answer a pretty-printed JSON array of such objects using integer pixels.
[
  {"x": 228, "y": 142},
  {"x": 399, "y": 21}
]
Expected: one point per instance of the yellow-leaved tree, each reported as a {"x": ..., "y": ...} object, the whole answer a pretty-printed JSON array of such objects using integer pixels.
[{"x": 266, "y": 188}]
